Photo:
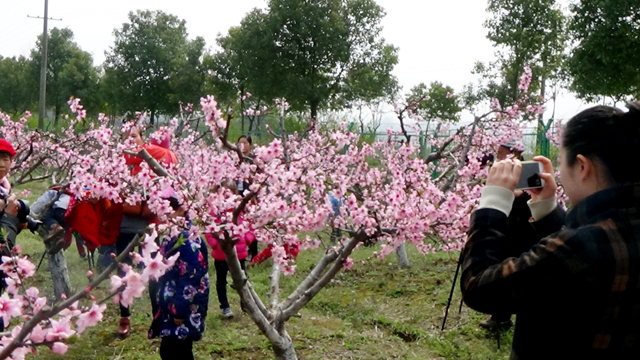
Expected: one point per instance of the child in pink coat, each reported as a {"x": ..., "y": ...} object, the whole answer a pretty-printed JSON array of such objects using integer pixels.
[{"x": 221, "y": 266}]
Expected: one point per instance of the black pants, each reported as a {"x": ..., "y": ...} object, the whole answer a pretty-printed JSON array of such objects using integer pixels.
[
  {"x": 253, "y": 249},
  {"x": 222, "y": 269},
  {"x": 172, "y": 348}
]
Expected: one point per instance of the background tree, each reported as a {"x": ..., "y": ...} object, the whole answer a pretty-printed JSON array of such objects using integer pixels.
[
  {"x": 17, "y": 93},
  {"x": 436, "y": 102},
  {"x": 153, "y": 63},
  {"x": 70, "y": 70},
  {"x": 605, "y": 60},
  {"x": 188, "y": 82},
  {"x": 315, "y": 54},
  {"x": 524, "y": 33}
]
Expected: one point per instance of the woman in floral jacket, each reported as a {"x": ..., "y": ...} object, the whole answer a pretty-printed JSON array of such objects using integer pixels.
[{"x": 183, "y": 297}]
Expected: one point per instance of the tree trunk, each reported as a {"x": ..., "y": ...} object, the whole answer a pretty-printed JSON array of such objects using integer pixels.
[
  {"x": 314, "y": 110},
  {"x": 285, "y": 350},
  {"x": 273, "y": 330},
  {"x": 56, "y": 116},
  {"x": 541, "y": 126},
  {"x": 153, "y": 114},
  {"x": 251, "y": 121},
  {"x": 401, "y": 254},
  {"x": 242, "y": 109}
]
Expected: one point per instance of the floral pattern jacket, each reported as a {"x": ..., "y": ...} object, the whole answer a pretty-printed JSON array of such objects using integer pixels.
[{"x": 183, "y": 291}]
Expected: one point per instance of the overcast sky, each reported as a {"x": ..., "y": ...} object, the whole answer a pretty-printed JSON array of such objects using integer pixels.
[{"x": 438, "y": 40}]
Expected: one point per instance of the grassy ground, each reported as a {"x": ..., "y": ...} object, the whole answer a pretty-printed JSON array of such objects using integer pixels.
[{"x": 374, "y": 311}]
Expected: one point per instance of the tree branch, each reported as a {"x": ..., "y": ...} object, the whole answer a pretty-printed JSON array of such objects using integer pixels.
[
  {"x": 312, "y": 284},
  {"x": 153, "y": 163},
  {"x": 45, "y": 313}
]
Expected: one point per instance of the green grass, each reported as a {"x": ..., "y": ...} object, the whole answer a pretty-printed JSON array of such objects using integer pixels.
[{"x": 374, "y": 311}]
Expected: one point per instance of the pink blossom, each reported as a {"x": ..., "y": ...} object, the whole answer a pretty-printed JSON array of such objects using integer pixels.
[
  {"x": 116, "y": 283},
  {"x": 154, "y": 267},
  {"x": 133, "y": 289},
  {"x": 348, "y": 263},
  {"x": 38, "y": 334},
  {"x": 12, "y": 285},
  {"x": 91, "y": 317},
  {"x": 525, "y": 80},
  {"x": 9, "y": 308},
  {"x": 59, "y": 348},
  {"x": 60, "y": 330},
  {"x": 149, "y": 244}
]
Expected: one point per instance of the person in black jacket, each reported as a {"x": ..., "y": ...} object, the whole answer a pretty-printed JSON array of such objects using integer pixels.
[
  {"x": 576, "y": 292},
  {"x": 519, "y": 228}
]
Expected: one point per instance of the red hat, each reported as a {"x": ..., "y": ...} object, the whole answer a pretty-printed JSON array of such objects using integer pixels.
[
  {"x": 5, "y": 146},
  {"x": 161, "y": 138}
]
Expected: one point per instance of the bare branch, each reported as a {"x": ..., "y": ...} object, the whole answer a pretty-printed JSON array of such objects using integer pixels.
[{"x": 314, "y": 283}]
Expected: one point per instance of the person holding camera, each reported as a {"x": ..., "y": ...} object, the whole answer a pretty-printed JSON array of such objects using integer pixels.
[
  {"x": 10, "y": 206},
  {"x": 576, "y": 292},
  {"x": 10, "y": 209},
  {"x": 520, "y": 233},
  {"x": 7, "y": 153}
]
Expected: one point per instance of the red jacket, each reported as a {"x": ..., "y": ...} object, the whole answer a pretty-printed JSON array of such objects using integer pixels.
[
  {"x": 291, "y": 251},
  {"x": 241, "y": 246},
  {"x": 164, "y": 156},
  {"x": 98, "y": 222}
]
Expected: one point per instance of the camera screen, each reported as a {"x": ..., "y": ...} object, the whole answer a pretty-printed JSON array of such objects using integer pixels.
[{"x": 529, "y": 177}]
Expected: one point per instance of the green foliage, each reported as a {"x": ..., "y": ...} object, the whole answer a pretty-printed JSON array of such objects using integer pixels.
[
  {"x": 605, "y": 61},
  {"x": 70, "y": 72},
  {"x": 316, "y": 54},
  {"x": 524, "y": 33},
  {"x": 152, "y": 65},
  {"x": 436, "y": 102},
  {"x": 188, "y": 81},
  {"x": 17, "y": 91}
]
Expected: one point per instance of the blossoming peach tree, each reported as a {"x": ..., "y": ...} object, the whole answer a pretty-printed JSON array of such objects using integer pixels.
[
  {"x": 397, "y": 201},
  {"x": 31, "y": 320},
  {"x": 404, "y": 198}
]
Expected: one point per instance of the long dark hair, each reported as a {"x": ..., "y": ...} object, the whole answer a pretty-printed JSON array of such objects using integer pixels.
[{"x": 608, "y": 135}]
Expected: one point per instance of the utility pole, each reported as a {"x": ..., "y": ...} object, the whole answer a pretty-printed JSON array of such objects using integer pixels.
[{"x": 42, "y": 107}]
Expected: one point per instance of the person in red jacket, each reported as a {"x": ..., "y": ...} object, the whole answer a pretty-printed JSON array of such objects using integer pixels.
[{"x": 220, "y": 260}]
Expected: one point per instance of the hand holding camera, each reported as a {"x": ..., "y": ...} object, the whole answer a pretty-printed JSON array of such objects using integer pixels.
[
  {"x": 535, "y": 176},
  {"x": 505, "y": 173},
  {"x": 548, "y": 191},
  {"x": 10, "y": 204}
]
